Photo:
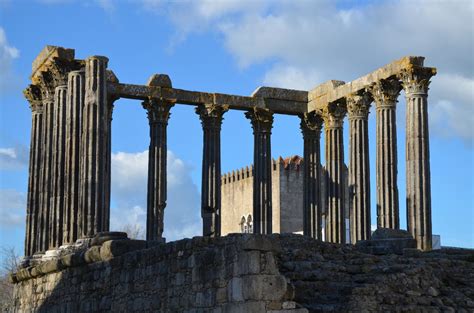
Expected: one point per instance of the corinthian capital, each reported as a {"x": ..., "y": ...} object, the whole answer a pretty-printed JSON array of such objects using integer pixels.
[
  {"x": 261, "y": 119},
  {"x": 334, "y": 113},
  {"x": 158, "y": 110},
  {"x": 33, "y": 95},
  {"x": 385, "y": 92},
  {"x": 311, "y": 123},
  {"x": 211, "y": 115},
  {"x": 358, "y": 105},
  {"x": 416, "y": 80}
]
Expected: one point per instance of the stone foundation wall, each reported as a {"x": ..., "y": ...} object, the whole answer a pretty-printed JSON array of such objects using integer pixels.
[
  {"x": 247, "y": 273},
  {"x": 230, "y": 274}
]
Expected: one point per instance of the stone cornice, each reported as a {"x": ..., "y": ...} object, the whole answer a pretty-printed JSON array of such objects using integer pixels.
[
  {"x": 33, "y": 94},
  {"x": 416, "y": 80}
]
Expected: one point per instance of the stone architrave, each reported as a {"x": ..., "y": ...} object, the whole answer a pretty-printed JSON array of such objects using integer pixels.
[
  {"x": 262, "y": 121},
  {"x": 33, "y": 95},
  {"x": 58, "y": 167},
  {"x": 358, "y": 106},
  {"x": 311, "y": 125},
  {"x": 333, "y": 115},
  {"x": 74, "y": 106},
  {"x": 416, "y": 82},
  {"x": 158, "y": 112},
  {"x": 94, "y": 149},
  {"x": 211, "y": 119},
  {"x": 385, "y": 94}
]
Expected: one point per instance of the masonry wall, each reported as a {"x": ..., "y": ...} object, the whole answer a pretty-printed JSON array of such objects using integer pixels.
[{"x": 230, "y": 274}]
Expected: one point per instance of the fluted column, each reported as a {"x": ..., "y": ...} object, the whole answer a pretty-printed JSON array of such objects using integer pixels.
[
  {"x": 262, "y": 121},
  {"x": 94, "y": 148},
  {"x": 385, "y": 94},
  {"x": 335, "y": 220},
  {"x": 415, "y": 83},
  {"x": 74, "y": 106},
  {"x": 358, "y": 106},
  {"x": 33, "y": 95},
  {"x": 311, "y": 124},
  {"x": 211, "y": 119},
  {"x": 158, "y": 114}
]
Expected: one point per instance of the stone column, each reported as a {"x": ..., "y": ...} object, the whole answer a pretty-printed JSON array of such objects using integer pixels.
[
  {"x": 311, "y": 124},
  {"x": 335, "y": 220},
  {"x": 385, "y": 94},
  {"x": 74, "y": 106},
  {"x": 211, "y": 119},
  {"x": 415, "y": 83},
  {"x": 262, "y": 121},
  {"x": 58, "y": 168},
  {"x": 33, "y": 95},
  {"x": 158, "y": 115},
  {"x": 358, "y": 106},
  {"x": 94, "y": 148}
]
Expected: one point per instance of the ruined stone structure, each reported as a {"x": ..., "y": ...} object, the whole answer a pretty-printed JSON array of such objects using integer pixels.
[
  {"x": 72, "y": 105},
  {"x": 287, "y": 198}
]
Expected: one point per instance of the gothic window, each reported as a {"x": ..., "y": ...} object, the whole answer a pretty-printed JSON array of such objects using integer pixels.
[
  {"x": 242, "y": 224},
  {"x": 250, "y": 224}
]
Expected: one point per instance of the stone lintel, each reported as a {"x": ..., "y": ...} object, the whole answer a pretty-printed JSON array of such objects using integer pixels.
[
  {"x": 281, "y": 94},
  {"x": 331, "y": 91},
  {"x": 235, "y": 102},
  {"x": 47, "y": 55}
]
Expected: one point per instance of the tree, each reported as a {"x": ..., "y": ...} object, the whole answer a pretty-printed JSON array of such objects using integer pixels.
[
  {"x": 9, "y": 264},
  {"x": 134, "y": 231}
]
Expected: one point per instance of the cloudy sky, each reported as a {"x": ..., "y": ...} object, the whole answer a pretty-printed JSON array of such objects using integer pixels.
[{"x": 233, "y": 47}]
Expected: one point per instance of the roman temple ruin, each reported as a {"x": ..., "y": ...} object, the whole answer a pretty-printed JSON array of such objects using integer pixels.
[{"x": 72, "y": 103}]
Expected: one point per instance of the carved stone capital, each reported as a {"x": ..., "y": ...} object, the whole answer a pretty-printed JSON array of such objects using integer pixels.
[
  {"x": 334, "y": 113},
  {"x": 358, "y": 105},
  {"x": 311, "y": 124},
  {"x": 33, "y": 95},
  {"x": 158, "y": 110},
  {"x": 261, "y": 119},
  {"x": 416, "y": 80},
  {"x": 211, "y": 115},
  {"x": 385, "y": 92}
]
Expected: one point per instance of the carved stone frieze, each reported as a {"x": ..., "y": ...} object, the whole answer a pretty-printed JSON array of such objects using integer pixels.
[
  {"x": 416, "y": 80},
  {"x": 311, "y": 123},
  {"x": 385, "y": 92},
  {"x": 358, "y": 105}
]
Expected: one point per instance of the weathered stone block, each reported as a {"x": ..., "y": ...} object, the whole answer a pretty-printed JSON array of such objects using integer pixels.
[
  {"x": 261, "y": 243},
  {"x": 114, "y": 248},
  {"x": 73, "y": 259},
  {"x": 92, "y": 254},
  {"x": 245, "y": 307},
  {"x": 102, "y": 237},
  {"x": 263, "y": 287}
]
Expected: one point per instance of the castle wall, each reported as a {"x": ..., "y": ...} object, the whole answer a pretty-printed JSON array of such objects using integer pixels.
[{"x": 291, "y": 199}]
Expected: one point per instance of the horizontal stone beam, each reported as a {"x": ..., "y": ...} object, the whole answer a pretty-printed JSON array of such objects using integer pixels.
[
  {"x": 291, "y": 102},
  {"x": 47, "y": 55},
  {"x": 333, "y": 90}
]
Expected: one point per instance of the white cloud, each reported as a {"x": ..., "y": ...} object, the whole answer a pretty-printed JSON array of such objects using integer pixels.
[
  {"x": 8, "y": 79},
  {"x": 12, "y": 208},
  {"x": 13, "y": 158},
  {"x": 129, "y": 188},
  {"x": 309, "y": 42}
]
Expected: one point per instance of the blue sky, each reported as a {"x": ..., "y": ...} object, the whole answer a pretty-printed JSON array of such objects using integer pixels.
[{"x": 234, "y": 47}]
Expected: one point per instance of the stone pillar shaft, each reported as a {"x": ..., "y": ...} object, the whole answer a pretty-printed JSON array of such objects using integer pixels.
[
  {"x": 262, "y": 121},
  {"x": 94, "y": 149},
  {"x": 359, "y": 166},
  {"x": 211, "y": 119},
  {"x": 311, "y": 124},
  {"x": 58, "y": 168},
  {"x": 33, "y": 94},
  {"x": 415, "y": 83},
  {"x": 385, "y": 94},
  {"x": 74, "y": 106},
  {"x": 335, "y": 220},
  {"x": 158, "y": 115}
]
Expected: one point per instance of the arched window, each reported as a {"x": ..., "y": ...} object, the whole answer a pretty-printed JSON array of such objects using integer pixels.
[
  {"x": 243, "y": 225},
  {"x": 250, "y": 224}
]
